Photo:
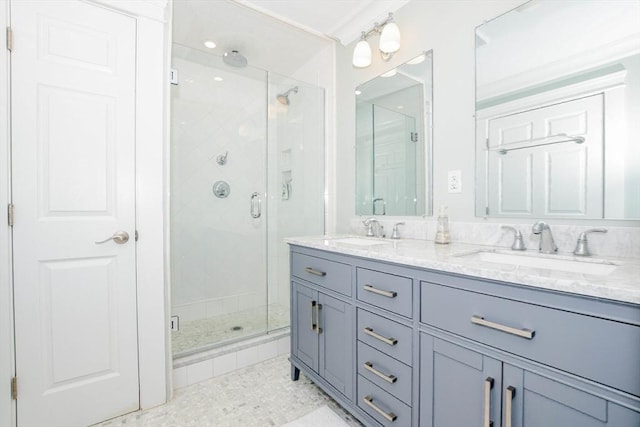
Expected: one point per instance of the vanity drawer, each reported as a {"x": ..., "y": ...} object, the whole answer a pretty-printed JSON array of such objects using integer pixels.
[
  {"x": 385, "y": 335},
  {"x": 602, "y": 350},
  {"x": 329, "y": 274},
  {"x": 382, "y": 406},
  {"x": 386, "y": 372},
  {"x": 388, "y": 291}
]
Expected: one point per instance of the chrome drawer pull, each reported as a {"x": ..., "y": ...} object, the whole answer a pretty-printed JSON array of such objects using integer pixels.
[
  {"x": 388, "y": 294},
  {"x": 318, "y": 328},
  {"x": 313, "y": 323},
  {"x": 508, "y": 395},
  {"x": 389, "y": 416},
  {"x": 388, "y": 378},
  {"x": 315, "y": 272},
  {"x": 524, "y": 333},
  {"x": 390, "y": 341},
  {"x": 488, "y": 385}
]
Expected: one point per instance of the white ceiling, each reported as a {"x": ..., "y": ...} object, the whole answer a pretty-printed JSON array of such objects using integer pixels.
[
  {"x": 342, "y": 20},
  {"x": 275, "y": 35}
]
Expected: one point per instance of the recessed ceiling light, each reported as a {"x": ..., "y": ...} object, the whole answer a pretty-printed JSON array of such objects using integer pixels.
[
  {"x": 400, "y": 107},
  {"x": 218, "y": 78},
  {"x": 210, "y": 44},
  {"x": 358, "y": 92},
  {"x": 389, "y": 73}
]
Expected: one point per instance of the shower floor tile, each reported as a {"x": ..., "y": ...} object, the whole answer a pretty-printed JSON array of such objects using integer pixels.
[
  {"x": 260, "y": 395},
  {"x": 222, "y": 329}
]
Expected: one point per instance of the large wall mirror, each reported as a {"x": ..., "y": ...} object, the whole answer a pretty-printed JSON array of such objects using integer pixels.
[
  {"x": 393, "y": 141},
  {"x": 558, "y": 111}
]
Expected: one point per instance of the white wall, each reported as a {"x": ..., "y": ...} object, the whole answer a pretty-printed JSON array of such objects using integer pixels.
[{"x": 447, "y": 27}]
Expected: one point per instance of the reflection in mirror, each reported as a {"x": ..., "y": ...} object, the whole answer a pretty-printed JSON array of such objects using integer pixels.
[
  {"x": 557, "y": 111},
  {"x": 393, "y": 141}
]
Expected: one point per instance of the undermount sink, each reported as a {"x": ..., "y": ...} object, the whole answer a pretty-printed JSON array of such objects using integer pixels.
[
  {"x": 547, "y": 262},
  {"x": 359, "y": 241}
]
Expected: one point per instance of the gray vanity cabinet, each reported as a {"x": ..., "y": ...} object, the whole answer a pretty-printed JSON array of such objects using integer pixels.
[
  {"x": 321, "y": 313},
  {"x": 463, "y": 387},
  {"x": 408, "y": 346},
  {"x": 455, "y": 383}
]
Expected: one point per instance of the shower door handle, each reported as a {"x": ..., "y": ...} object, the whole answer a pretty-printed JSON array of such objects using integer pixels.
[{"x": 256, "y": 205}]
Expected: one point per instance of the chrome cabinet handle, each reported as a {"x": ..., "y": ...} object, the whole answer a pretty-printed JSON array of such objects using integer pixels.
[
  {"x": 509, "y": 393},
  {"x": 524, "y": 333},
  {"x": 315, "y": 272},
  {"x": 313, "y": 323},
  {"x": 388, "y": 378},
  {"x": 256, "y": 205},
  {"x": 318, "y": 328},
  {"x": 388, "y": 294},
  {"x": 488, "y": 385},
  {"x": 390, "y": 341},
  {"x": 389, "y": 416},
  {"x": 120, "y": 237}
]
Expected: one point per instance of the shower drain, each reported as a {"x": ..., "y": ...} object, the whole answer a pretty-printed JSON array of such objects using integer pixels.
[{"x": 236, "y": 328}]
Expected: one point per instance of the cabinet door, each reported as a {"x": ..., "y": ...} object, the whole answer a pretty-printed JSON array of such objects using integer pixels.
[
  {"x": 459, "y": 387},
  {"x": 336, "y": 343},
  {"x": 304, "y": 325},
  {"x": 541, "y": 401}
]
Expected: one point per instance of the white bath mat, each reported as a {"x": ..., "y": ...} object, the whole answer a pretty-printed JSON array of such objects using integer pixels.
[{"x": 321, "y": 417}]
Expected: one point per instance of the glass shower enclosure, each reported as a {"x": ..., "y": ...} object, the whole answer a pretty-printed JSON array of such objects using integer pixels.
[{"x": 247, "y": 170}]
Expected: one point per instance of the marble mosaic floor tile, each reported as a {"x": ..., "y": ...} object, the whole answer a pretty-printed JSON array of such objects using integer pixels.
[
  {"x": 225, "y": 328},
  {"x": 261, "y": 395}
]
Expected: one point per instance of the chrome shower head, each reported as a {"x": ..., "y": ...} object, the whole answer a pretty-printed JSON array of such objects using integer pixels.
[
  {"x": 283, "y": 98},
  {"x": 235, "y": 59}
]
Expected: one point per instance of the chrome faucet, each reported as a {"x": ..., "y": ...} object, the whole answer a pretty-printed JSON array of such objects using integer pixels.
[
  {"x": 374, "y": 229},
  {"x": 518, "y": 243},
  {"x": 582, "y": 249},
  {"x": 396, "y": 234},
  {"x": 547, "y": 245}
]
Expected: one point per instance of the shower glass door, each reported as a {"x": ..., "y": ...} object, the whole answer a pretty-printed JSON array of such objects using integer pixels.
[
  {"x": 247, "y": 171},
  {"x": 218, "y": 206}
]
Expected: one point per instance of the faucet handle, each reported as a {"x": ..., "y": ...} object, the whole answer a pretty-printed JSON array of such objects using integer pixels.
[
  {"x": 518, "y": 242},
  {"x": 395, "y": 234},
  {"x": 582, "y": 247}
]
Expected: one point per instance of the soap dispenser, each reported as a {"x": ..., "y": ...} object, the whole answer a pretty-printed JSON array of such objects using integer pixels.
[{"x": 442, "y": 232}]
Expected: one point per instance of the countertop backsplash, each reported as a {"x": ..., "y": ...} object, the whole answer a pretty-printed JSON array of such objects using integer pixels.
[{"x": 621, "y": 242}]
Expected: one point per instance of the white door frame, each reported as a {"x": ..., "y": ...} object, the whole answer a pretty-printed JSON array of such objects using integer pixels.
[{"x": 152, "y": 57}]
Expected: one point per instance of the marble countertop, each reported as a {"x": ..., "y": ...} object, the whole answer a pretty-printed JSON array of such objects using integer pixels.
[{"x": 623, "y": 284}]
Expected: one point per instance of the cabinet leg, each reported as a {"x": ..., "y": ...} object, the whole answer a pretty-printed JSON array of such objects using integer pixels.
[{"x": 295, "y": 373}]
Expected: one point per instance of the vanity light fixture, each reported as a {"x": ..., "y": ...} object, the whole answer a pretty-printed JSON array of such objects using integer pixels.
[{"x": 388, "y": 45}]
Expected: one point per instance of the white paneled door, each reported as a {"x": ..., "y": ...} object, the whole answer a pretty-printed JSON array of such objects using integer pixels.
[
  {"x": 538, "y": 175},
  {"x": 73, "y": 136}
]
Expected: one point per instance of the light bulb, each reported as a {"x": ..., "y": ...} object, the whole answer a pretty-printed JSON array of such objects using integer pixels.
[
  {"x": 390, "y": 38},
  {"x": 362, "y": 54}
]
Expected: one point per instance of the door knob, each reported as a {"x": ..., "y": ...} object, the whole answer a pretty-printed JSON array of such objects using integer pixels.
[{"x": 120, "y": 237}]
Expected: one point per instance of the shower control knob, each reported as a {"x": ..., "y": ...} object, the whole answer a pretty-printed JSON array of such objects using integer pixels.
[{"x": 221, "y": 189}]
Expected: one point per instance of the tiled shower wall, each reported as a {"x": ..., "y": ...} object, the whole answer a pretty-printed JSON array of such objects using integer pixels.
[{"x": 218, "y": 249}]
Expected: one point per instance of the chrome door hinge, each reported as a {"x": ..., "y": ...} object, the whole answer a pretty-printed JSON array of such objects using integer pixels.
[
  {"x": 14, "y": 388},
  {"x": 136, "y": 235},
  {"x": 486, "y": 210},
  {"x": 9, "y": 39},
  {"x": 414, "y": 136},
  {"x": 10, "y": 214}
]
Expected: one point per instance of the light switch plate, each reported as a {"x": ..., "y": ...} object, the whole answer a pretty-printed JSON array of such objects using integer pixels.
[{"x": 454, "y": 182}]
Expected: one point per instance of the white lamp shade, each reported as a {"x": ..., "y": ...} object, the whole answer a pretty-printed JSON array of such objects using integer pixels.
[
  {"x": 390, "y": 38},
  {"x": 362, "y": 54}
]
